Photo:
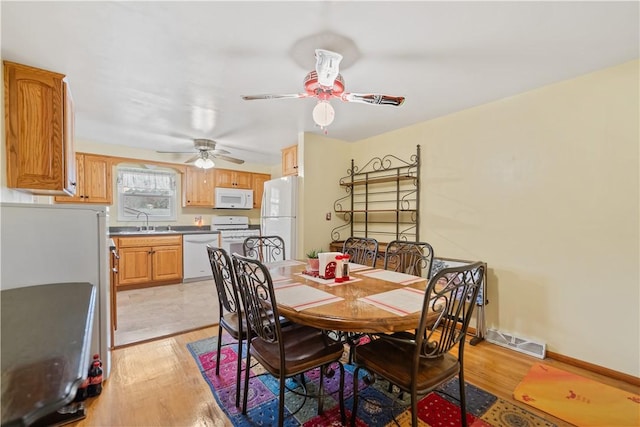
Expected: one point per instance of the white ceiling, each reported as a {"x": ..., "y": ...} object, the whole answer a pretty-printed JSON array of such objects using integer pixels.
[{"x": 155, "y": 74}]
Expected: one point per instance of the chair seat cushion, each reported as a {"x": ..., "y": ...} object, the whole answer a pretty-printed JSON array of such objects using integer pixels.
[
  {"x": 392, "y": 360},
  {"x": 304, "y": 349}
]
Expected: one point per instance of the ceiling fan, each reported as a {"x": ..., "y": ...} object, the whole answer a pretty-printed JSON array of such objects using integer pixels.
[
  {"x": 325, "y": 83},
  {"x": 206, "y": 151}
]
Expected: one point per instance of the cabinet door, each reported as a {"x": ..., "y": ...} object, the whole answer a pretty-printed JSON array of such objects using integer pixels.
[
  {"x": 224, "y": 178},
  {"x": 167, "y": 262},
  {"x": 227, "y": 178},
  {"x": 258, "y": 188},
  {"x": 243, "y": 180},
  {"x": 290, "y": 161},
  {"x": 37, "y": 146},
  {"x": 198, "y": 187},
  {"x": 94, "y": 181},
  {"x": 135, "y": 266},
  {"x": 79, "y": 196},
  {"x": 97, "y": 180}
]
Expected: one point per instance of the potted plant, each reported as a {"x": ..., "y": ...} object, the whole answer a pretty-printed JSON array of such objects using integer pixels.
[{"x": 313, "y": 262}]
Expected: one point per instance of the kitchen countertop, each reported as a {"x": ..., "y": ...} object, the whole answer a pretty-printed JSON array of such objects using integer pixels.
[{"x": 160, "y": 231}]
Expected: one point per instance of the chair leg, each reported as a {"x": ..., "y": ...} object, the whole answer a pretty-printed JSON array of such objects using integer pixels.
[
  {"x": 281, "y": 401},
  {"x": 320, "y": 391},
  {"x": 238, "y": 372},
  {"x": 354, "y": 410},
  {"x": 341, "y": 395},
  {"x": 246, "y": 380},
  {"x": 463, "y": 399},
  {"x": 414, "y": 410},
  {"x": 219, "y": 349}
]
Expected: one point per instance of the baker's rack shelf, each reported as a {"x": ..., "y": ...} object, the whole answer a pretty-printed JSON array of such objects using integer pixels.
[{"x": 382, "y": 200}]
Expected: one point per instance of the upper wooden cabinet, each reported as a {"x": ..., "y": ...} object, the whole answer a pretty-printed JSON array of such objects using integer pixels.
[
  {"x": 258, "y": 188},
  {"x": 228, "y": 178},
  {"x": 198, "y": 187},
  {"x": 94, "y": 181},
  {"x": 39, "y": 124},
  {"x": 290, "y": 161}
]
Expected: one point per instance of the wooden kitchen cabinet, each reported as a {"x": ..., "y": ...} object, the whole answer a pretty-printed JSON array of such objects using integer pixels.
[
  {"x": 198, "y": 187},
  {"x": 258, "y": 180},
  {"x": 290, "y": 161},
  {"x": 227, "y": 178},
  {"x": 149, "y": 261},
  {"x": 39, "y": 123},
  {"x": 94, "y": 181}
]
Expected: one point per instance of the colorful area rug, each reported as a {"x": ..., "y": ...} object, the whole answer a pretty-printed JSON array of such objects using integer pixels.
[
  {"x": 435, "y": 409},
  {"x": 576, "y": 399}
]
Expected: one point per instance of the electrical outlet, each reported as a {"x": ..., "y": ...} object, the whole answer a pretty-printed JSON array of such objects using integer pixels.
[{"x": 328, "y": 216}]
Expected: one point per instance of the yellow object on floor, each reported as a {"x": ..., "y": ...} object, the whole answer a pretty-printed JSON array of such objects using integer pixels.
[{"x": 576, "y": 399}]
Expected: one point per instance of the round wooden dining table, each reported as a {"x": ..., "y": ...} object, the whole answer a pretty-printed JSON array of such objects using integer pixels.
[{"x": 350, "y": 314}]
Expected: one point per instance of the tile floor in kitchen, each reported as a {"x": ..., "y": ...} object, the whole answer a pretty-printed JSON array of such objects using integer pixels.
[{"x": 149, "y": 313}]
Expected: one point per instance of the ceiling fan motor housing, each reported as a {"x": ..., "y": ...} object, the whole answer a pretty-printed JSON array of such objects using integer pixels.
[
  {"x": 313, "y": 88},
  {"x": 204, "y": 144}
]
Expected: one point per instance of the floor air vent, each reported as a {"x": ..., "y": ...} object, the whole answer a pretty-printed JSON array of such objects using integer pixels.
[{"x": 522, "y": 345}]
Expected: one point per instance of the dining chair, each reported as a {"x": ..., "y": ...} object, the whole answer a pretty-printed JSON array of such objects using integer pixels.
[
  {"x": 408, "y": 257},
  {"x": 418, "y": 363},
  {"x": 264, "y": 248},
  {"x": 284, "y": 352},
  {"x": 231, "y": 317},
  {"x": 361, "y": 250}
]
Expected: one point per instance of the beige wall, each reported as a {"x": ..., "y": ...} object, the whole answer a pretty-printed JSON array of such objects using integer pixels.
[
  {"x": 544, "y": 187},
  {"x": 323, "y": 161}
]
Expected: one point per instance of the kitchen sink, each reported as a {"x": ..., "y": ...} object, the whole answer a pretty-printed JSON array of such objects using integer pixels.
[{"x": 147, "y": 232}]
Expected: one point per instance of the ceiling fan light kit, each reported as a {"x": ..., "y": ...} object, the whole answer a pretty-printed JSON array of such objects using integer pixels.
[
  {"x": 325, "y": 83},
  {"x": 204, "y": 163},
  {"x": 323, "y": 114}
]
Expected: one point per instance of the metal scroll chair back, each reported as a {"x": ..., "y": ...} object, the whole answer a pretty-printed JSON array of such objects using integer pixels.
[
  {"x": 361, "y": 250},
  {"x": 231, "y": 317},
  {"x": 409, "y": 257},
  {"x": 264, "y": 248},
  {"x": 418, "y": 363},
  {"x": 283, "y": 352}
]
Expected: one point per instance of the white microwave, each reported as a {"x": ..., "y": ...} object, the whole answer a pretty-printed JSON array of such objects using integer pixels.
[{"x": 233, "y": 198}]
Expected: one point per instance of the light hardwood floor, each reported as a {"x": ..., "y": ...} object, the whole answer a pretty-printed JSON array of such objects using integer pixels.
[
  {"x": 158, "y": 383},
  {"x": 160, "y": 311}
]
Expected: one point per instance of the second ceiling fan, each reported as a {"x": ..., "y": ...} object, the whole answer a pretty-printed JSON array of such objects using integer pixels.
[
  {"x": 207, "y": 151},
  {"x": 325, "y": 83}
]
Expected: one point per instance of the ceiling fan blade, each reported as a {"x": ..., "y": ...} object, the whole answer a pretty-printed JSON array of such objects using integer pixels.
[
  {"x": 219, "y": 151},
  {"x": 373, "y": 98},
  {"x": 275, "y": 96},
  {"x": 175, "y": 152},
  {"x": 327, "y": 67},
  {"x": 192, "y": 159},
  {"x": 229, "y": 159}
]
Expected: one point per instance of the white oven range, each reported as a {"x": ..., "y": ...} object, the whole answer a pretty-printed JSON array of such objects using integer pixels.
[{"x": 233, "y": 230}]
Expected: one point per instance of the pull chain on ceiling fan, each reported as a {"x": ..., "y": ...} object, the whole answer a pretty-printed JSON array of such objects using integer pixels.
[{"x": 325, "y": 83}]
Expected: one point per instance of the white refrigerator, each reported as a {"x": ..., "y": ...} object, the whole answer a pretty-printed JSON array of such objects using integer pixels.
[
  {"x": 42, "y": 244},
  {"x": 278, "y": 216}
]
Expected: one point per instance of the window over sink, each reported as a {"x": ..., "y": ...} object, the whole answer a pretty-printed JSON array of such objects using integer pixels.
[{"x": 143, "y": 192}]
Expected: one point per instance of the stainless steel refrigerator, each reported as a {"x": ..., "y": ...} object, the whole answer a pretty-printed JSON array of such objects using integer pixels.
[
  {"x": 41, "y": 244},
  {"x": 279, "y": 211}
]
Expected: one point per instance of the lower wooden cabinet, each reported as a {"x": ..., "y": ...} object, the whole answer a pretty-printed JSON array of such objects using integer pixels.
[{"x": 149, "y": 261}]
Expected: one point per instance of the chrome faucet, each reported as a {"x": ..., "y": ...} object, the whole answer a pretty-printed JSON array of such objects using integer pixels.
[{"x": 147, "y": 218}]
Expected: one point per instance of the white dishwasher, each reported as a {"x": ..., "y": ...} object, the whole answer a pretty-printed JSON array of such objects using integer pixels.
[{"x": 195, "y": 259}]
